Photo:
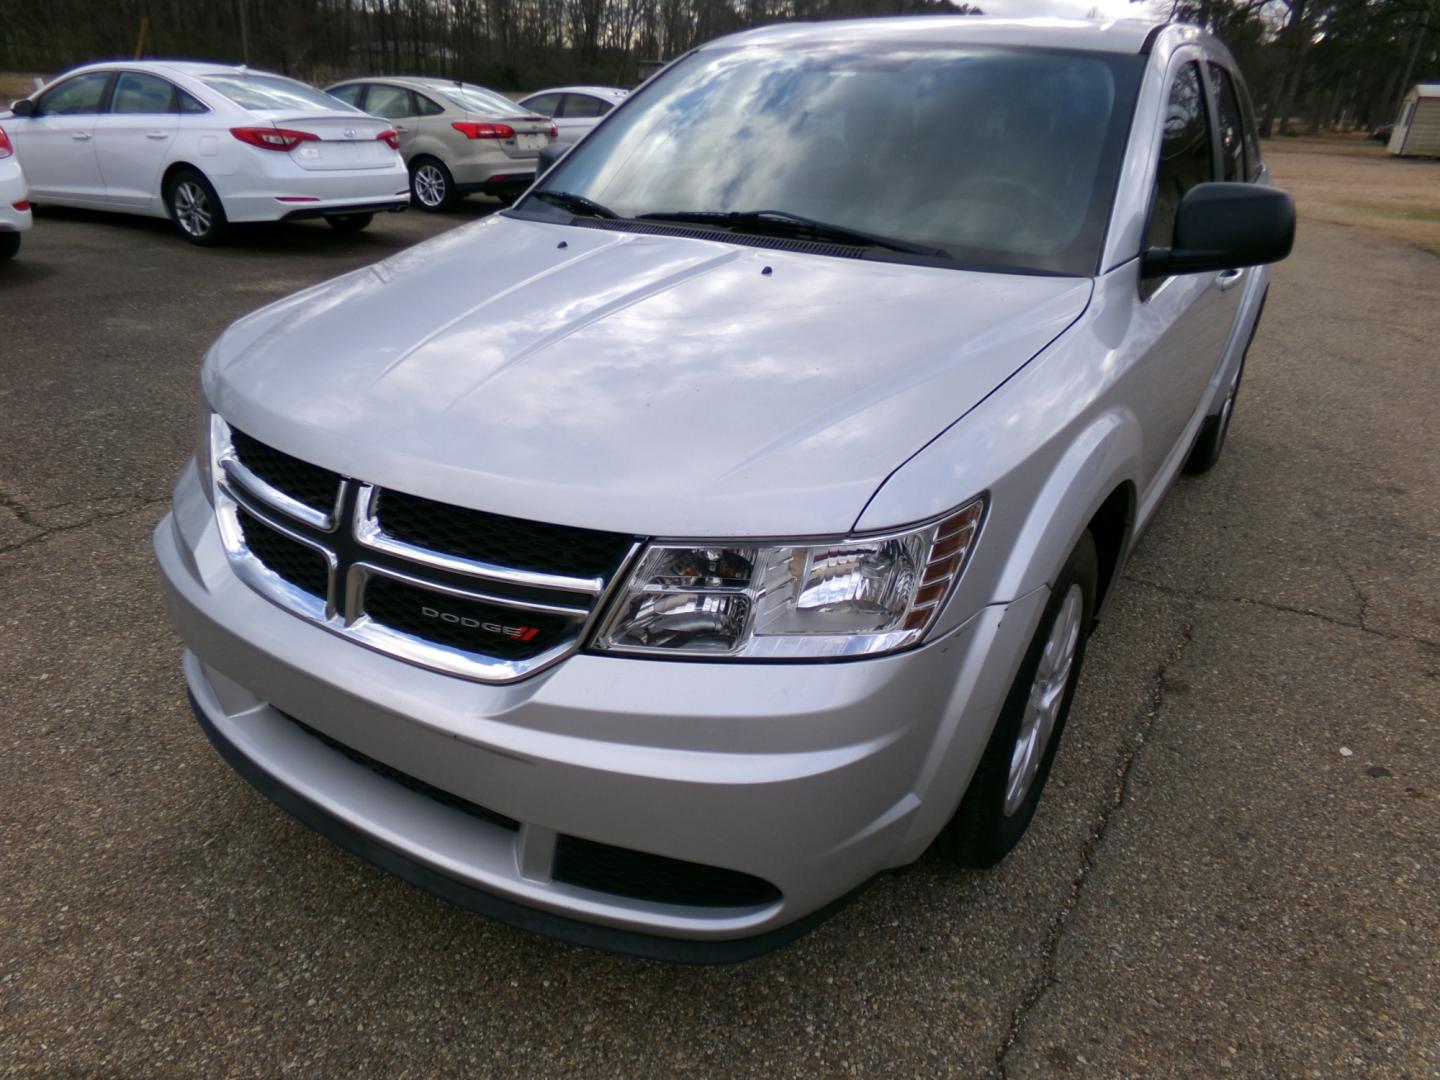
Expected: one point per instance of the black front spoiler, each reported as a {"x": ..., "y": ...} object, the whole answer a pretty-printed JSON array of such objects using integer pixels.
[{"x": 465, "y": 895}]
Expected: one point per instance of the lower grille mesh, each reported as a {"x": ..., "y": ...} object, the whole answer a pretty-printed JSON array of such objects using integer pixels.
[
  {"x": 301, "y": 566},
  {"x": 379, "y": 768},
  {"x": 642, "y": 876}
]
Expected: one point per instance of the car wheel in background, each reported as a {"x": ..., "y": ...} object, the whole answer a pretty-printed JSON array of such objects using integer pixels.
[
  {"x": 349, "y": 222},
  {"x": 195, "y": 208},
  {"x": 1005, "y": 789},
  {"x": 431, "y": 185},
  {"x": 9, "y": 245}
]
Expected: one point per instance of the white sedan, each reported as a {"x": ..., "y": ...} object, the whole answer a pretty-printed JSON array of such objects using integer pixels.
[
  {"x": 575, "y": 109},
  {"x": 14, "y": 204},
  {"x": 207, "y": 145}
]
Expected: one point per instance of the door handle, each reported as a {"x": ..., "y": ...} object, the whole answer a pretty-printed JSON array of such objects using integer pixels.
[
  {"x": 156, "y": 135},
  {"x": 1228, "y": 279},
  {"x": 81, "y": 135}
]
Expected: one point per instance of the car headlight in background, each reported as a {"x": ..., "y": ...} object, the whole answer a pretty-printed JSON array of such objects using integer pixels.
[{"x": 855, "y": 596}]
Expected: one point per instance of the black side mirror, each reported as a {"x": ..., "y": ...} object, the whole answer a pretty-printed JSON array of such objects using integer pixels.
[
  {"x": 23, "y": 107},
  {"x": 550, "y": 153},
  {"x": 1222, "y": 226}
]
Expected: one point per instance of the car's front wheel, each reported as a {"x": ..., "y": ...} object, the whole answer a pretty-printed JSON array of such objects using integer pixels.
[
  {"x": 350, "y": 222},
  {"x": 195, "y": 208},
  {"x": 432, "y": 187},
  {"x": 9, "y": 245},
  {"x": 1005, "y": 789}
]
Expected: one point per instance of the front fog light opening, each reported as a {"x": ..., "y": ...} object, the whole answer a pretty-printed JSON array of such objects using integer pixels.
[{"x": 853, "y": 596}]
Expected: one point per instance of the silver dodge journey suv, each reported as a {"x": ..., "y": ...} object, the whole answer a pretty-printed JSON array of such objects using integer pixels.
[{"x": 656, "y": 562}]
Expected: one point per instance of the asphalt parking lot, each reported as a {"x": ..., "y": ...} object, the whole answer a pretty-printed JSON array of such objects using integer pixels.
[{"x": 1234, "y": 869}]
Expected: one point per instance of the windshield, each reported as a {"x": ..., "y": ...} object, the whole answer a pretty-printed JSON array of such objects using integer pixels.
[
  {"x": 999, "y": 157},
  {"x": 477, "y": 99},
  {"x": 270, "y": 92}
]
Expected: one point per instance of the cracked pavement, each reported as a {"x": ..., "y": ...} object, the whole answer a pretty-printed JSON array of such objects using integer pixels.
[{"x": 1233, "y": 869}]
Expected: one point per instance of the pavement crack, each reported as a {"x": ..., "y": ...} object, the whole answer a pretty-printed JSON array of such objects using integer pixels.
[
  {"x": 1120, "y": 793},
  {"x": 1362, "y": 624},
  {"x": 25, "y": 517},
  {"x": 1361, "y": 598}
]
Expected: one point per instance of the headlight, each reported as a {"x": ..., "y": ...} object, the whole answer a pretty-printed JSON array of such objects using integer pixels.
[{"x": 855, "y": 596}]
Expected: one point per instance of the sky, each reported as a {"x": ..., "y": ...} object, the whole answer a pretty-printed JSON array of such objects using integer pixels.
[{"x": 1071, "y": 9}]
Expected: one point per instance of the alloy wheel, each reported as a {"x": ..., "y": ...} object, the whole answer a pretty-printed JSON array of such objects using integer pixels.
[
  {"x": 1047, "y": 695},
  {"x": 192, "y": 208},
  {"x": 429, "y": 185}
]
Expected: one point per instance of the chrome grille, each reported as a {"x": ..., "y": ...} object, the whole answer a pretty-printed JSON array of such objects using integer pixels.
[{"x": 461, "y": 591}]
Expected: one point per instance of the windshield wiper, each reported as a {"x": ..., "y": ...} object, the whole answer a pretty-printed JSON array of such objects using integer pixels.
[
  {"x": 576, "y": 204},
  {"x": 784, "y": 223}
]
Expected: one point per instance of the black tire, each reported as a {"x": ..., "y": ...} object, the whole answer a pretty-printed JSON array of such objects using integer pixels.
[
  {"x": 195, "y": 209},
  {"x": 350, "y": 222},
  {"x": 432, "y": 188},
  {"x": 982, "y": 833},
  {"x": 1210, "y": 442},
  {"x": 9, "y": 245}
]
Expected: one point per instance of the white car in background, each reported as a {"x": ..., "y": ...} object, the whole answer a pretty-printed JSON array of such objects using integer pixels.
[
  {"x": 207, "y": 145},
  {"x": 14, "y": 204},
  {"x": 575, "y": 109}
]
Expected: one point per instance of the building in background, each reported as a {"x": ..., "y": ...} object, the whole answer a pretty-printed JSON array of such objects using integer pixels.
[{"x": 1417, "y": 131}]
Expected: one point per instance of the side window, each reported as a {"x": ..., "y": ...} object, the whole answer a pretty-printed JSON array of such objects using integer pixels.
[
  {"x": 137, "y": 92},
  {"x": 426, "y": 107},
  {"x": 579, "y": 106},
  {"x": 1252, "y": 137},
  {"x": 189, "y": 104},
  {"x": 348, "y": 94},
  {"x": 74, "y": 97},
  {"x": 1232, "y": 126},
  {"x": 1185, "y": 158},
  {"x": 544, "y": 104},
  {"x": 390, "y": 102},
  {"x": 605, "y": 106}
]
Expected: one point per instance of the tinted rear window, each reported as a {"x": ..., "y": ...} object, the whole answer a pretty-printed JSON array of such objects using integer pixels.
[
  {"x": 477, "y": 99},
  {"x": 271, "y": 92}
]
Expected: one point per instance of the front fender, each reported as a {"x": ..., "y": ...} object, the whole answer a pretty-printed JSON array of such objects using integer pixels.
[{"x": 1048, "y": 454}]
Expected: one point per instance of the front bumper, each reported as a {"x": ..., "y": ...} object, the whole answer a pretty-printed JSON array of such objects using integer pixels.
[{"x": 811, "y": 777}]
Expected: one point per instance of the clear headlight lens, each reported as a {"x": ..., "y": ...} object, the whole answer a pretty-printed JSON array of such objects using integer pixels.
[{"x": 856, "y": 596}]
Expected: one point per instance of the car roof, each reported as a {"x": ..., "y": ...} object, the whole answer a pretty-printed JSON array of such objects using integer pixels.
[
  {"x": 1093, "y": 35},
  {"x": 609, "y": 93},
  {"x": 193, "y": 68},
  {"x": 427, "y": 82}
]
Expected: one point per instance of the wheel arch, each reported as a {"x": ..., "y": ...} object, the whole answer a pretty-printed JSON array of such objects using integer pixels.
[
  {"x": 1091, "y": 488},
  {"x": 177, "y": 167}
]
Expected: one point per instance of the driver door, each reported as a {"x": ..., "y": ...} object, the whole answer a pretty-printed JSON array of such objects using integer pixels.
[
  {"x": 56, "y": 143},
  {"x": 1188, "y": 315}
]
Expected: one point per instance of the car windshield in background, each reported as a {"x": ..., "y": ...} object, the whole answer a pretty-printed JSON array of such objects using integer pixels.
[
  {"x": 1002, "y": 158},
  {"x": 476, "y": 99},
  {"x": 270, "y": 93}
]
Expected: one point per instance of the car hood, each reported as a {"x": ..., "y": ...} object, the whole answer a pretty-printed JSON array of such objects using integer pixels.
[{"x": 649, "y": 384}]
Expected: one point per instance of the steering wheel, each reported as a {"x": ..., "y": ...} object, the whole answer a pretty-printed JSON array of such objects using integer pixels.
[{"x": 1035, "y": 214}]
